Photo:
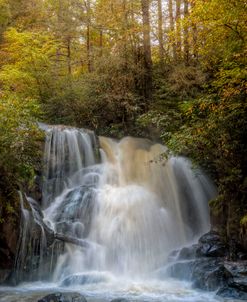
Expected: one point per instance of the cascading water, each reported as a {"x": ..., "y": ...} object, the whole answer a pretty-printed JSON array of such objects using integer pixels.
[
  {"x": 128, "y": 202},
  {"x": 133, "y": 207},
  {"x": 67, "y": 152}
]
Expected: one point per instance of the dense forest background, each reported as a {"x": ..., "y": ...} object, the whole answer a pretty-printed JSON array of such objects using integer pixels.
[{"x": 172, "y": 70}]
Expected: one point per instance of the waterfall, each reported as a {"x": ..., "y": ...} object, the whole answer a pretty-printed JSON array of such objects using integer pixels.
[
  {"x": 67, "y": 152},
  {"x": 131, "y": 203}
]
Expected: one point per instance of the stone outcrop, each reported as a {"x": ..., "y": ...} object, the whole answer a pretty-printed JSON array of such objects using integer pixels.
[
  {"x": 63, "y": 297},
  {"x": 206, "y": 265},
  {"x": 9, "y": 234}
]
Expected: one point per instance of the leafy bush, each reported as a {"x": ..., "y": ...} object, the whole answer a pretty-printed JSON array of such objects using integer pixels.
[{"x": 18, "y": 132}]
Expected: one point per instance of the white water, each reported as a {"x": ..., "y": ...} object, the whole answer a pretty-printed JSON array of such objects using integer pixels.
[
  {"x": 133, "y": 290},
  {"x": 138, "y": 210},
  {"x": 132, "y": 205}
]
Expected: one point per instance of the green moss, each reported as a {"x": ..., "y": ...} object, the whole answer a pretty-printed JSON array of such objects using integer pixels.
[
  {"x": 243, "y": 221},
  {"x": 216, "y": 205}
]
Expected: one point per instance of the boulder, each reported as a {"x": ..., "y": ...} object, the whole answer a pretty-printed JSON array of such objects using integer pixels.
[
  {"x": 238, "y": 268},
  {"x": 63, "y": 297},
  {"x": 9, "y": 232},
  {"x": 210, "y": 274},
  {"x": 243, "y": 233},
  {"x": 181, "y": 270},
  {"x": 5, "y": 275},
  {"x": 238, "y": 288},
  {"x": 188, "y": 252},
  {"x": 206, "y": 266},
  {"x": 173, "y": 255},
  {"x": 210, "y": 245},
  {"x": 234, "y": 290},
  {"x": 242, "y": 256}
]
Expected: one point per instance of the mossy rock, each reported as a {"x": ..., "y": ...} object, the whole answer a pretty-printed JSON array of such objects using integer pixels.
[{"x": 243, "y": 232}]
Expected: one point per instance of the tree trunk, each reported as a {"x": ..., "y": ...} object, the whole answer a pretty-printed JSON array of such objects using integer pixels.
[
  {"x": 69, "y": 56},
  {"x": 125, "y": 28},
  {"x": 73, "y": 240},
  {"x": 147, "y": 50},
  {"x": 101, "y": 42},
  {"x": 186, "y": 33},
  {"x": 194, "y": 39},
  {"x": 89, "y": 46},
  {"x": 171, "y": 21},
  {"x": 178, "y": 28},
  {"x": 195, "y": 53},
  {"x": 160, "y": 31}
]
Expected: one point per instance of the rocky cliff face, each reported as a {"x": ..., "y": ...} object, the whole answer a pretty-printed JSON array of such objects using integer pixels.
[
  {"x": 10, "y": 215},
  {"x": 243, "y": 232},
  {"x": 9, "y": 236}
]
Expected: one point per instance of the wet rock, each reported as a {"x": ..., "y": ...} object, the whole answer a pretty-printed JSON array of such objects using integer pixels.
[
  {"x": 79, "y": 210},
  {"x": 35, "y": 191},
  {"x": 4, "y": 275},
  {"x": 206, "y": 266},
  {"x": 243, "y": 233},
  {"x": 81, "y": 279},
  {"x": 119, "y": 300},
  {"x": 181, "y": 270},
  {"x": 63, "y": 297},
  {"x": 238, "y": 269},
  {"x": 210, "y": 237},
  {"x": 241, "y": 285},
  {"x": 234, "y": 290},
  {"x": 173, "y": 255},
  {"x": 242, "y": 256},
  {"x": 188, "y": 252},
  {"x": 206, "y": 273},
  {"x": 9, "y": 232},
  {"x": 238, "y": 288},
  {"x": 210, "y": 274},
  {"x": 210, "y": 245}
]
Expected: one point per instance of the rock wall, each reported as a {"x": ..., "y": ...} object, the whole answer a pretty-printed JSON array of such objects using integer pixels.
[{"x": 9, "y": 236}]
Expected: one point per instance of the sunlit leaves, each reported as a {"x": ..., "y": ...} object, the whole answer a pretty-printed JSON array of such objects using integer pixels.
[
  {"x": 221, "y": 29},
  {"x": 18, "y": 133},
  {"x": 26, "y": 63}
]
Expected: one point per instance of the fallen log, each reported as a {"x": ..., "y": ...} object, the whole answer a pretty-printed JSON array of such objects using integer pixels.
[
  {"x": 51, "y": 236},
  {"x": 68, "y": 239}
]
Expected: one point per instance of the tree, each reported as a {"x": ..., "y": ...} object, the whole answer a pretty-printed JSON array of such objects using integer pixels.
[
  {"x": 4, "y": 16},
  {"x": 171, "y": 21},
  {"x": 160, "y": 31},
  {"x": 89, "y": 44},
  {"x": 178, "y": 29},
  {"x": 186, "y": 33},
  {"x": 147, "y": 50},
  {"x": 215, "y": 123}
]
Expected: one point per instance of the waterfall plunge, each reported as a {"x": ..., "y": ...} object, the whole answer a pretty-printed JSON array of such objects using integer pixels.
[{"x": 132, "y": 205}]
